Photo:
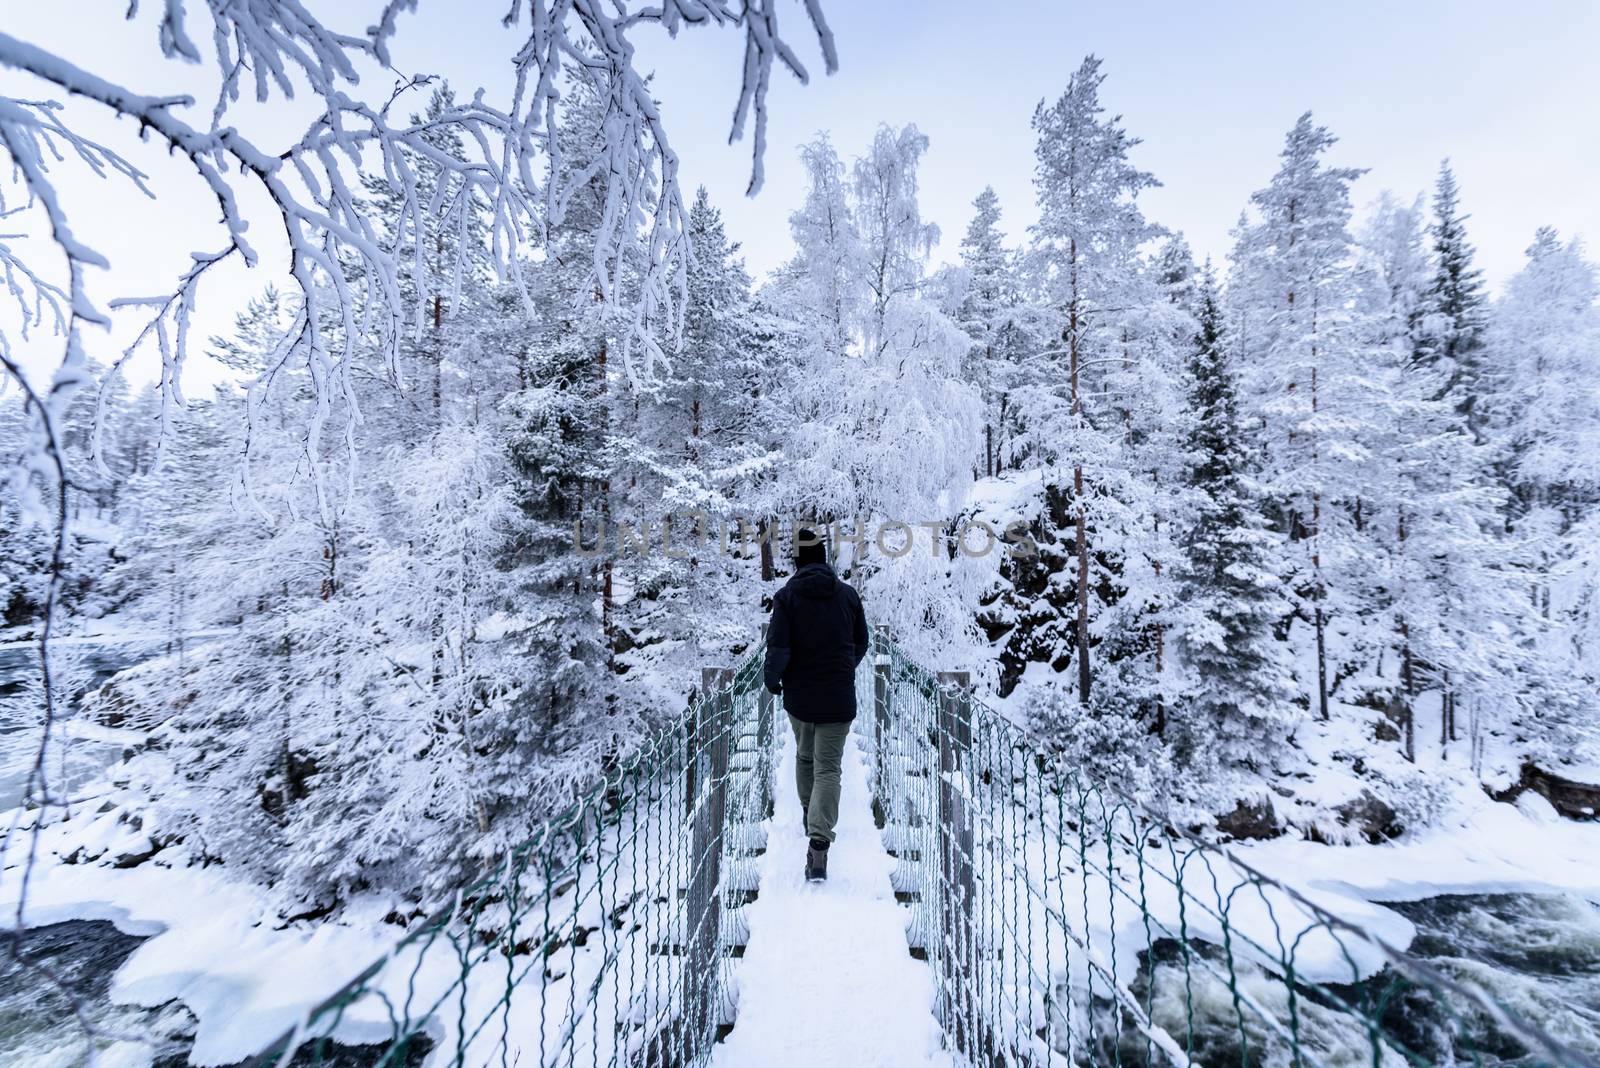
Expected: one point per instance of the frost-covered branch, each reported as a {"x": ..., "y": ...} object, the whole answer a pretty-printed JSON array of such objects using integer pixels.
[
  {"x": 345, "y": 256},
  {"x": 347, "y": 273}
]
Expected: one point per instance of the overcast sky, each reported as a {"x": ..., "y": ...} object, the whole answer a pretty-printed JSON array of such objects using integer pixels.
[{"x": 1509, "y": 92}]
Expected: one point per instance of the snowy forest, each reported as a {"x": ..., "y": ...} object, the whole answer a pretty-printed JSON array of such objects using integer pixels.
[
  {"x": 1319, "y": 520},
  {"x": 1295, "y": 546}
]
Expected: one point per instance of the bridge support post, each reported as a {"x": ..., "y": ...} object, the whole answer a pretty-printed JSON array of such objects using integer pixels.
[
  {"x": 957, "y": 970},
  {"x": 708, "y": 755},
  {"x": 767, "y": 707},
  {"x": 880, "y": 717}
]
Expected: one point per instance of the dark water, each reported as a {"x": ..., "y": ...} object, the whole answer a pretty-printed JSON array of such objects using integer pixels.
[
  {"x": 55, "y": 1009},
  {"x": 1538, "y": 955},
  {"x": 54, "y": 1004}
]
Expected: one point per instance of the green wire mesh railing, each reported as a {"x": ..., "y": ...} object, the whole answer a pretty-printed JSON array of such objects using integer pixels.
[
  {"x": 1066, "y": 924},
  {"x": 605, "y": 940}
]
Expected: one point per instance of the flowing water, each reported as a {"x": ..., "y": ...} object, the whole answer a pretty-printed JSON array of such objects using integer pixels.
[
  {"x": 55, "y": 1008},
  {"x": 1538, "y": 955}
]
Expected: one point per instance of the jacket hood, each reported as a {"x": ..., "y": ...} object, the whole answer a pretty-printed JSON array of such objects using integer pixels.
[{"x": 814, "y": 580}]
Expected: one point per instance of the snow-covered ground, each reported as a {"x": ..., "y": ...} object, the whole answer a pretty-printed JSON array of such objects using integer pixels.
[
  {"x": 1479, "y": 847},
  {"x": 213, "y": 943}
]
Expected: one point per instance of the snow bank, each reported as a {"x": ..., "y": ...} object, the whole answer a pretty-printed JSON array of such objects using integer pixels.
[
  {"x": 1479, "y": 847},
  {"x": 213, "y": 943}
]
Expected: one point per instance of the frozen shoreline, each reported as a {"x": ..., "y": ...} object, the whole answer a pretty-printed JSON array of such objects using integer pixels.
[
  {"x": 212, "y": 942},
  {"x": 1482, "y": 848}
]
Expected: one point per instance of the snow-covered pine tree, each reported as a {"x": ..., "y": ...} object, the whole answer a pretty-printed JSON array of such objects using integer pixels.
[
  {"x": 1544, "y": 416},
  {"x": 1240, "y": 706},
  {"x": 1291, "y": 296},
  {"x": 1178, "y": 276},
  {"x": 1455, "y": 308},
  {"x": 1086, "y": 255},
  {"x": 1432, "y": 594},
  {"x": 558, "y": 554},
  {"x": 1548, "y": 344},
  {"x": 988, "y": 312},
  {"x": 700, "y": 459}
]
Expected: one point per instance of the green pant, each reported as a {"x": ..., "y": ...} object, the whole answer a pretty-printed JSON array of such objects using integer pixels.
[{"x": 818, "y": 762}]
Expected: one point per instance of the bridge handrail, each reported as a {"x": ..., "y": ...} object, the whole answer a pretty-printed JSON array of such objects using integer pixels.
[
  {"x": 561, "y": 853},
  {"x": 993, "y": 863}
]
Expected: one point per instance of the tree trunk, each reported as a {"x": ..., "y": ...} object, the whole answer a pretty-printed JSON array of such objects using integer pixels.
[
  {"x": 1322, "y": 660},
  {"x": 1407, "y": 670},
  {"x": 1447, "y": 712},
  {"x": 1316, "y": 548},
  {"x": 1081, "y": 520},
  {"x": 1000, "y": 434},
  {"x": 1408, "y": 688},
  {"x": 607, "y": 608},
  {"x": 438, "y": 340},
  {"x": 1083, "y": 590},
  {"x": 769, "y": 570}
]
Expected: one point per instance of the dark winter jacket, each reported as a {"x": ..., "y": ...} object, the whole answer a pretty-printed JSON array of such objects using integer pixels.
[{"x": 818, "y": 636}]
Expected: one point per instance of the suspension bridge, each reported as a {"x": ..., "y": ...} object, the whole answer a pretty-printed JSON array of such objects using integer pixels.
[{"x": 987, "y": 906}]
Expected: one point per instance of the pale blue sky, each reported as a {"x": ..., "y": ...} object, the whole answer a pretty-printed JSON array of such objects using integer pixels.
[{"x": 1510, "y": 93}]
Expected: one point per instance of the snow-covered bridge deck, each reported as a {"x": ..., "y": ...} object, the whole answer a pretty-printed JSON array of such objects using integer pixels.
[{"x": 826, "y": 981}]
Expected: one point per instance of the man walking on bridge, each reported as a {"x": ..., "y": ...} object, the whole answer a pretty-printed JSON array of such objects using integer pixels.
[{"x": 817, "y": 637}]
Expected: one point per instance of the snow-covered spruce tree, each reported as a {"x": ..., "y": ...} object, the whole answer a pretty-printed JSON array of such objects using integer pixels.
[
  {"x": 1546, "y": 343},
  {"x": 426, "y": 765},
  {"x": 699, "y": 460},
  {"x": 1078, "y": 418},
  {"x": 24, "y": 559},
  {"x": 1433, "y": 595},
  {"x": 1178, "y": 275},
  {"x": 1239, "y": 708},
  {"x": 244, "y": 724},
  {"x": 988, "y": 311},
  {"x": 560, "y": 426},
  {"x": 27, "y": 514},
  {"x": 1454, "y": 312},
  {"x": 1544, "y": 418},
  {"x": 171, "y": 510},
  {"x": 1292, "y": 313}
]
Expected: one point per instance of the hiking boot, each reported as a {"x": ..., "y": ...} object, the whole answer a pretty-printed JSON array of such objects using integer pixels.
[{"x": 817, "y": 861}]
